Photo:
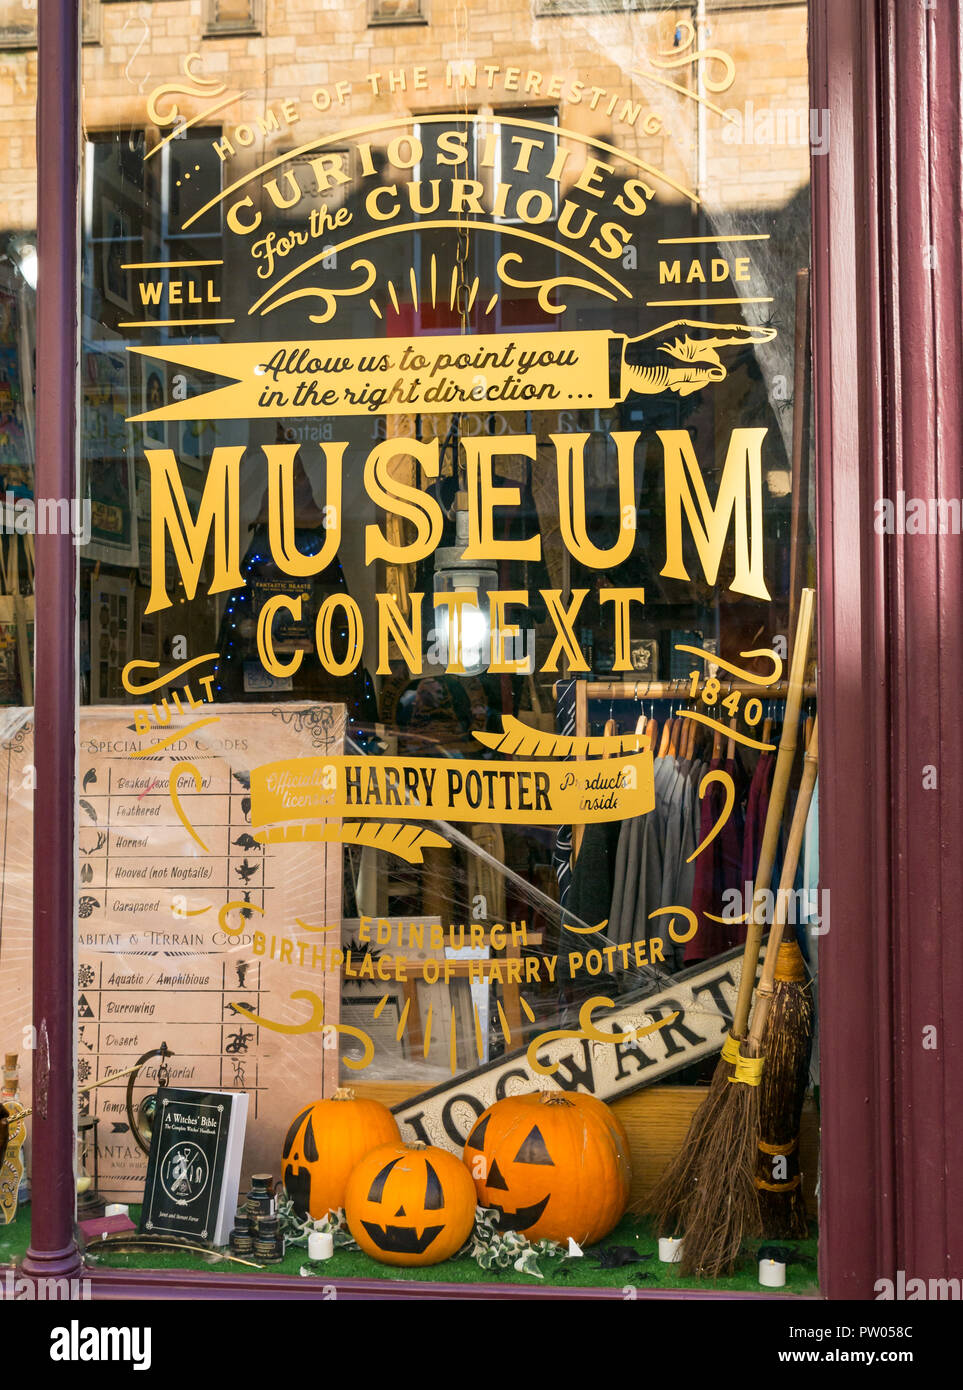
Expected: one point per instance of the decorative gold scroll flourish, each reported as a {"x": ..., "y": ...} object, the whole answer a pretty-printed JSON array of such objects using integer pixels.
[
  {"x": 519, "y": 739},
  {"x": 194, "y": 773},
  {"x": 545, "y": 287},
  {"x": 766, "y": 653},
  {"x": 330, "y": 297},
  {"x": 194, "y": 86},
  {"x": 167, "y": 679},
  {"x": 587, "y": 1030},
  {"x": 406, "y": 841},
  {"x": 313, "y": 1024},
  {"x": 430, "y": 224},
  {"x": 725, "y": 780},
  {"x": 682, "y": 57}
]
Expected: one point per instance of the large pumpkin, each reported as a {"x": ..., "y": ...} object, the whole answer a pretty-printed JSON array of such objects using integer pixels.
[
  {"x": 324, "y": 1143},
  {"x": 552, "y": 1165},
  {"x": 410, "y": 1205}
]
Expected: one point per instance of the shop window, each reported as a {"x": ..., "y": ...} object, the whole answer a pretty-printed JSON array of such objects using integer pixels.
[
  {"x": 547, "y": 8},
  {"x": 18, "y": 23},
  {"x": 749, "y": 4},
  {"x": 388, "y": 12},
  {"x": 525, "y": 155},
  {"x": 450, "y": 527},
  {"x": 225, "y": 17}
]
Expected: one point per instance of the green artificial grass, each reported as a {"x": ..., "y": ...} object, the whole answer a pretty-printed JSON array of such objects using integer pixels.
[{"x": 558, "y": 1272}]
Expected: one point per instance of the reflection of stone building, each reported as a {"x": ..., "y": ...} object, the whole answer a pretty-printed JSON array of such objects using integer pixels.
[{"x": 281, "y": 49}]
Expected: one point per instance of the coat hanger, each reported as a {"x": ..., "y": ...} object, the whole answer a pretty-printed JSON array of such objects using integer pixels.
[
  {"x": 641, "y": 724},
  {"x": 611, "y": 728},
  {"x": 666, "y": 734},
  {"x": 810, "y": 721}
]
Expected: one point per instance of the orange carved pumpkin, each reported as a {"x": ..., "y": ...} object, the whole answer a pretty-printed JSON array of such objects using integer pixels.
[
  {"x": 552, "y": 1165},
  {"x": 324, "y": 1143},
  {"x": 410, "y": 1205}
]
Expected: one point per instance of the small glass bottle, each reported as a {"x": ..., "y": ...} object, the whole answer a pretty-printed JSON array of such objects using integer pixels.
[
  {"x": 11, "y": 1077},
  {"x": 268, "y": 1241},
  {"x": 260, "y": 1199},
  {"x": 242, "y": 1241}
]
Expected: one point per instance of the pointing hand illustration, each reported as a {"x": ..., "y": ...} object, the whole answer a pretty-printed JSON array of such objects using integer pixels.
[{"x": 682, "y": 356}]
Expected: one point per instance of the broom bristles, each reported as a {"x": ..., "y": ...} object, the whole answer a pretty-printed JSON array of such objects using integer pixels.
[
  {"x": 673, "y": 1192},
  {"x": 724, "y": 1208},
  {"x": 783, "y": 1091},
  {"x": 784, "y": 1215}
]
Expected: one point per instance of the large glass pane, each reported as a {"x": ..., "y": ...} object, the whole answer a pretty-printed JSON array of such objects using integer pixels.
[{"x": 446, "y": 441}]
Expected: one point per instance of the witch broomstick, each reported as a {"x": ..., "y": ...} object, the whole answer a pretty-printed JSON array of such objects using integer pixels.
[
  {"x": 707, "y": 1194},
  {"x": 724, "y": 1206},
  {"x": 785, "y": 1079}
]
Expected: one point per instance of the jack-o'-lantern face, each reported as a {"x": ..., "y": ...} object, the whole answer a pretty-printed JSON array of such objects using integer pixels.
[
  {"x": 299, "y": 1155},
  {"x": 532, "y": 1151},
  {"x": 406, "y": 1239},
  {"x": 323, "y": 1144},
  {"x": 407, "y": 1206},
  {"x": 551, "y": 1166}
]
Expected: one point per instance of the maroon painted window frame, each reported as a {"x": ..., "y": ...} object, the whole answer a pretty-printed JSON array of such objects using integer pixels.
[{"x": 888, "y": 380}]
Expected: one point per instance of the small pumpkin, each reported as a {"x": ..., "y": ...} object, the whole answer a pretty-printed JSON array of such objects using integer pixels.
[
  {"x": 410, "y": 1204},
  {"x": 552, "y": 1165},
  {"x": 323, "y": 1144}
]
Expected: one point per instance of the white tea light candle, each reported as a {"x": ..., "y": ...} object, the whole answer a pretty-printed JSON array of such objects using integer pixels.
[
  {"x": 772, "y": 1274},
  {"x": 320, "y": 1245},
  {"x": 670, "y": 1250}
]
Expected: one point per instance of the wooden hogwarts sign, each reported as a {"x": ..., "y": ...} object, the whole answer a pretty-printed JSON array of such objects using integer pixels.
[{"x": 702, "y": 998}]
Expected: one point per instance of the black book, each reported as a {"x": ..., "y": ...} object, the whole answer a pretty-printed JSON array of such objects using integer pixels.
[{"x": 194, "y": 1169}]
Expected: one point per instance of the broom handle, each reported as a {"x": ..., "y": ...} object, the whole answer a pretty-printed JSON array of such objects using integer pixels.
[
  {"x": 797, "y": 832},
  {"x": 777, "y": 800}
]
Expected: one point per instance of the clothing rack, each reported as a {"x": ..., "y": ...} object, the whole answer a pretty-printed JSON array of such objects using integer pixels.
[
  {"x": 664, "y": 690},
  {"x": 668, "y": 690},
  {"x": 675, "y": 689}
]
